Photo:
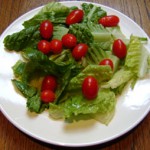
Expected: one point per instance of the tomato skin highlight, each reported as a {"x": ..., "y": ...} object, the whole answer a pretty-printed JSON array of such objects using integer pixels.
[
  {"x": 79, "y": 51},
  {"x": 69, "y": 40},
  {"x": 46, "y": 29},
  {"x": 56, "y": 46},
  {"x": 109, "y": 21},
  {"x": 90, "y": 87},
  {"x": 49, "y": 83},
  {"x": 44, "y": 46},
  {"x": 75, "y": 16},
  {"x": 107, "y": 61},
  {"x": 47, "y": 96},
  {"x": 119, "y": 49}
]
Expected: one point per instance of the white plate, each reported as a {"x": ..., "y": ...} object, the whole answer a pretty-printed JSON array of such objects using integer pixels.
[{"x": 131, "y": 107}]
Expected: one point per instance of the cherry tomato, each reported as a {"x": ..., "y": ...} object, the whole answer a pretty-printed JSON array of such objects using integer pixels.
[
  {"x": 74, "y": 16},
  {"x": 47, "y": 96},
  {"x": 44, "y": 46},
  {"x": 46, "y": 29},
  {"x": 90, "y": 87},
  {"x": 107, "y": 62},
  {"x": 109, "y": 21},
  {"x": 56, "y": 46},
  {"x": 49, "y": 83},
  {"x": 119, "y": 48},
  {"x": 69, "y": 40},
  {"x": 79, "y": 51}
]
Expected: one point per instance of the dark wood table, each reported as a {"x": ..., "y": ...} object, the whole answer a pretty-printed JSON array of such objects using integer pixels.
[{"x": 137, "y": 139}]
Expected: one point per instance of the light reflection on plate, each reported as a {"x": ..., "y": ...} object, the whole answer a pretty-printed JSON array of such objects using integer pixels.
[{"x": 131, "y": 107}]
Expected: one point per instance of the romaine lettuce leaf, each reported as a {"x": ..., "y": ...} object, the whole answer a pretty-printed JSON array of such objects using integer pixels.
[
  {"x": 53, "y": 11},
  {"x": 77, "y": 107},
  {"x": 137, "y": 56},
  {"x": 101, "y": 73},
  {"x": 18, "y": 68},
  {"x": 54, "y": 7},
  {"x": 25, "y": 38},
  {"x": 90, "y": 32},
  {"x": 34, "y": 103},
  {"x": 59, "y": 31},
  {"x": 25, "y": 89},
  {"x": 92, "y": 12},
  {"x": 121, "y": 77}
]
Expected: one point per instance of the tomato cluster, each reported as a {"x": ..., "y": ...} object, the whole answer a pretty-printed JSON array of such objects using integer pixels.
[
  {"x": 55, "y": 46},
  {"x": 49, "y": 85},
  {"x": 90, "y": 84}
]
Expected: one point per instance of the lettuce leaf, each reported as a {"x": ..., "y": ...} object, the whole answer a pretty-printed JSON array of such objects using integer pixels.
[
  {"x": 121, "y": 77},
  {"x": 137, "y": 56},
  {"x": 59, "y": 31},
  {"x": 90, "y": 32},
  {"x": 25, "y": 38},
  {"x": 25, "y": 89},
  {"x": 53, "y": 11},
  {"x": 54, "y": 7},
  {"x": 77, "y": 107},
  {"x": 34, "y": 103},
  {"x": 92, "y": 12},
  {"x": 101, "y": 73}
]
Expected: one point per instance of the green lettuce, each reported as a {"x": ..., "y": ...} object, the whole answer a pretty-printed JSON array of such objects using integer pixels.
[
  {"x": 92, "y": 13},
  {"x": 121, "y": 77},
  {"x": 18, "y": 68},
  {"x": 77, "y": 107},
  {"x": 25, "y": 38},
  {"x": 137, "y": 56},
  {"x": 95, "y": 54},
  {"x": 25, "y": 89},
  {"x": 90, "y": 32},
  {"x": 101, "y": 73},
  {"x": 34, "y": 103},
  {"x": 54, "y": 11},
  {"x": 59, "y": 31}
]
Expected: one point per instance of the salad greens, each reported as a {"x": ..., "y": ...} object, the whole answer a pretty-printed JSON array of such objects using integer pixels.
[{"x": 70, "y": 104}]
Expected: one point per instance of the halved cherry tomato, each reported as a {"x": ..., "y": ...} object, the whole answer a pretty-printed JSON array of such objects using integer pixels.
[
  {"x": 44, "y": 46},
  {"x": 46, "y": 29},
  {"x": 69, "y": 40},
  {"x": 90, "y": 87},
  {"x": 56, "y": 46},
  {"x": 75, "y": 16},
  {"x": 49, "y": 83},
  {"x": 109, "y": 21},
  {"x": 119, "y": 48},
  {"x": 107, "y": 62},
  {"x": 79, "y": 51},
  {"x": 47, "y": 96}
]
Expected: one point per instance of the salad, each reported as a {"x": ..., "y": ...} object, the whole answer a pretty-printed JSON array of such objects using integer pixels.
[{"x": 75, "y": 62}]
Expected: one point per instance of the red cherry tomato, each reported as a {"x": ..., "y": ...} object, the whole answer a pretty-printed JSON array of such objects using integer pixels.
[
  {"x": 46, "y": 29},
  {"x": 48, "y": 96},
  {"x": 79, "y": 51},
  {"x": 109, "y": 21},
  {"x": 56, "y": 46},
  {"x": 107, "y": 62},
  {"x": 90, "y": 87},
  {"x": 75, "y": 16},
  {"x": 69, "y": 40},
  {"x": 44, "y": 46},
  {"x": 119, "y": 48},
  {"x": 49, "y": 83}
]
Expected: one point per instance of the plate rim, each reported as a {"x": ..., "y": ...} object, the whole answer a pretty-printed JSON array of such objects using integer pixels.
[{"x": 4, "y": 112}]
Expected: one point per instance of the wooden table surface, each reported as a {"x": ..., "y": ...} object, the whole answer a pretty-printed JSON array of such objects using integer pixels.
[{"x": 137, "y": 139}]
